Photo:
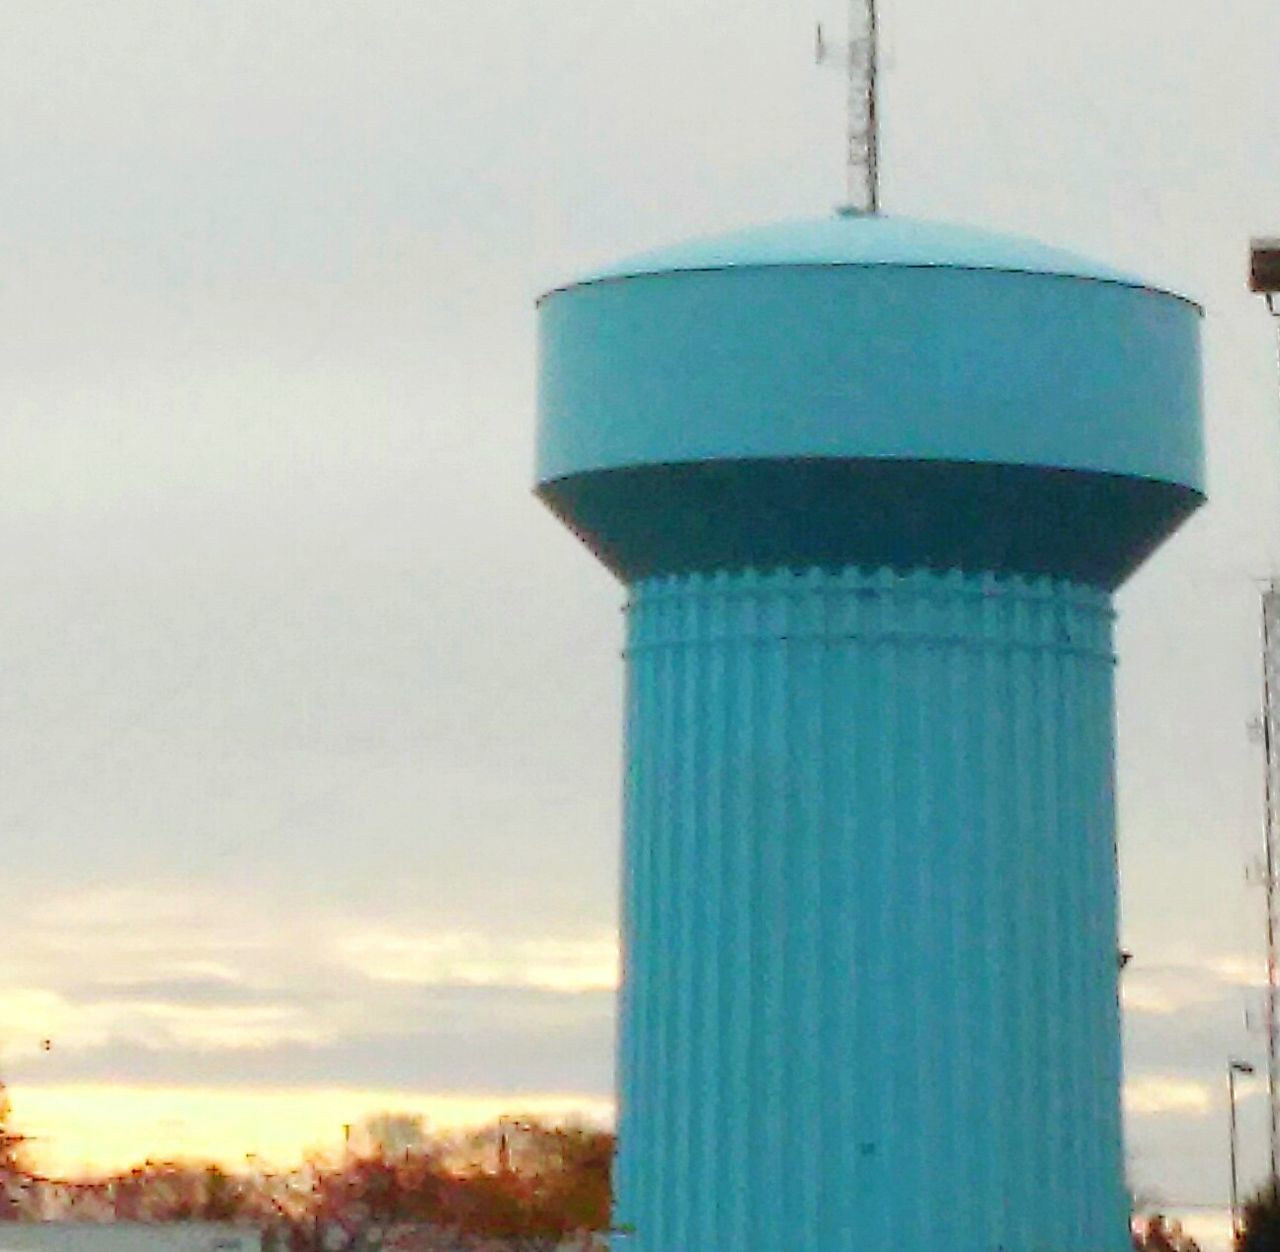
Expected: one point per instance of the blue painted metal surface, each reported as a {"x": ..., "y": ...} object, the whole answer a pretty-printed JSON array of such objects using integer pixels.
[
  {"x": 869, "y": 942},
  {"x": 840, "y": 345},
  {"x": 851, "y": 361},
  {"x": 853, "y": 239},
  {"x": 870, "y": 483}
]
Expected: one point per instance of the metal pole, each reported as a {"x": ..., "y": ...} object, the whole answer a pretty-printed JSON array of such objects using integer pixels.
[
  {"x": 859, "y": 56},
  {"x": 1269, "y": 746},
  {"x": 1233, "y": 1068},
  {"x": 873, "y": 118},
  {"x": 1264, "y": 278},
  {"x": 1235, "y": 1176}
]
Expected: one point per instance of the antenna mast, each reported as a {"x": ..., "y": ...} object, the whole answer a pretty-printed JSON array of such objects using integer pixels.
[{"x": 859, "y": 56}]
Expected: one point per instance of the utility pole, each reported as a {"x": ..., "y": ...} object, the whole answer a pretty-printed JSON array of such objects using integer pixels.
[
  {"x": 1264, "y": 278},
  {"x": 1271, "y": 796},
  {"x": 859, "y": 57}
]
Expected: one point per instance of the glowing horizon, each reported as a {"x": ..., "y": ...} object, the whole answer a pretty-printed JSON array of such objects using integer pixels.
[{"x": 272, "y": 1128}]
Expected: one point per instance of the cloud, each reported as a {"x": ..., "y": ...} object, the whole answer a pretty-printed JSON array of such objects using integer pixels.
[
  {"x": 1154, "y": 1095},
  {"x": 36, "y": 1019},
  {"x": 462, "y": 1039},
  {"x": 147, "y": 929},
  {"x": 173, "y": 982},
  {"x": 485, "y": 960},
  {"x": 224, "y": 992},
  {"x": 1170, "y": 987},
  {"x": 1239, "y": 971}
]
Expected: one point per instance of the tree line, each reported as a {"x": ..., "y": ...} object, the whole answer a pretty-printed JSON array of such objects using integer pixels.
[
  {"x": 519, "y": 1183},
  {"x": 522, "y": 1184}
]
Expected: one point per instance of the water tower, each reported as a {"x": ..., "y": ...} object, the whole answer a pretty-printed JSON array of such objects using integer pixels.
[{"x": 870, "y": 484}]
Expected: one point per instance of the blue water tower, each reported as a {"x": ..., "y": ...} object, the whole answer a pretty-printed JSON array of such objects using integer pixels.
[{"x": 870, "y": 484}]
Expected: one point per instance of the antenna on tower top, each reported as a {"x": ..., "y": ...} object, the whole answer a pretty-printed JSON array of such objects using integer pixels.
[{"x": 859, "y": 56}]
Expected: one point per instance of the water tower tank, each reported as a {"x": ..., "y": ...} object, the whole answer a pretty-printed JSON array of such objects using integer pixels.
[{"x": 870, "y": 483}]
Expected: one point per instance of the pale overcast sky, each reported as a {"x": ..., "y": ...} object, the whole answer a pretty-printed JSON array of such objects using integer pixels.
[{"x": 310, "y": 715}]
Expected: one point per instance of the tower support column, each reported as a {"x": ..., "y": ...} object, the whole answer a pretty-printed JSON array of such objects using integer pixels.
[{"x": 870, "y": 942}]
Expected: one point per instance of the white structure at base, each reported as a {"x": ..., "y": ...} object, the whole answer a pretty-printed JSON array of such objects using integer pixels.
[{"x": 127, "y": 1237}]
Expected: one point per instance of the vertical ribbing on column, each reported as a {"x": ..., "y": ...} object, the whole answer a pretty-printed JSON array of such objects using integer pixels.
[{"x": 869, "y": 940}]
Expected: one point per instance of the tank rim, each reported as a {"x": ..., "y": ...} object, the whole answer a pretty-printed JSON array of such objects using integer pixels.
[
  {"x": 610, "y": 280},
  {"x": 863, "y": 242}
]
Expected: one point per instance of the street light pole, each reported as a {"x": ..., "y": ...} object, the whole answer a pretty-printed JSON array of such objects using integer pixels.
[{"x": 1234, "y": 1067}]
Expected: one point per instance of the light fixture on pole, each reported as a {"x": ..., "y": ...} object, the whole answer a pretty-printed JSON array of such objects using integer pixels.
[
  {"x": 1234, "y": 1067},
  {"x": 1264, "y": 269}
]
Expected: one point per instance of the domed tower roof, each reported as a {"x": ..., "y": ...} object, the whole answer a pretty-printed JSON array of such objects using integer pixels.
[
  {"x": 856, "y": 239},
  {"x": 870, "y": 391}
]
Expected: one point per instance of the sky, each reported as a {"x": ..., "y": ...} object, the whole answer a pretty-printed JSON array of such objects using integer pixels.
[{"x": 309, "y": 725}]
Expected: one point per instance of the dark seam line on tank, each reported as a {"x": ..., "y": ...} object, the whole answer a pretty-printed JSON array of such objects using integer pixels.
[
  {"x": 756, "y": 266},
  {"x": 862, "y": 460}
]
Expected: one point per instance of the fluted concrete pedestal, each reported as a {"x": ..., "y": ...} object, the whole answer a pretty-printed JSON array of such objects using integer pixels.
[{"x": 870, "y": 939}]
